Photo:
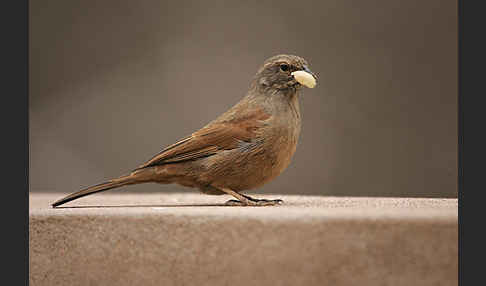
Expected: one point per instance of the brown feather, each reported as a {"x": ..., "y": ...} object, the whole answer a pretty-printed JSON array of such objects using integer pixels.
[{"x": 212, "y": 138}]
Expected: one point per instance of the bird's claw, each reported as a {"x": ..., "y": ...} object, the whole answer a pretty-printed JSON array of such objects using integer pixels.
[{"x": 254, "y": 202}]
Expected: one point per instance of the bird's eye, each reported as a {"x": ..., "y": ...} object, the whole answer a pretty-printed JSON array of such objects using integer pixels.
[{"x": 284, "y": 67}]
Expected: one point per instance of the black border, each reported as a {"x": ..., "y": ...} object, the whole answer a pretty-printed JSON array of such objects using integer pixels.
[
  {"x": 15, "y": 136},
  {"x": 471, "y": 83}
]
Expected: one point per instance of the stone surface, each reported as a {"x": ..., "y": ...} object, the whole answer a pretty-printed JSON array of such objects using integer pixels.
[{"x": 191, "y": 239}]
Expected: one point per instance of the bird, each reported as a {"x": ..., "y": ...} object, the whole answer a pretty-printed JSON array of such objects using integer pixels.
[{"x": 242, "y": 149}]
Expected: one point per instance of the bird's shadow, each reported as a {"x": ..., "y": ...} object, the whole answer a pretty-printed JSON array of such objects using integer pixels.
[{"x": 143, "y": 206}]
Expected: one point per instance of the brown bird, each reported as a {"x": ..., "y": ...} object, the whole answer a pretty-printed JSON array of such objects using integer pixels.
[{"x": 244, "y": 148}]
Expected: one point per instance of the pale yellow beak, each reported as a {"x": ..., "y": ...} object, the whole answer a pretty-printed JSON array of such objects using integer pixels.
[{"x": 305, "y": 78}]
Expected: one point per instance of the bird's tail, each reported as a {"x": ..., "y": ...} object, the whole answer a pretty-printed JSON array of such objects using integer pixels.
[{"x": 111, "y": 184}]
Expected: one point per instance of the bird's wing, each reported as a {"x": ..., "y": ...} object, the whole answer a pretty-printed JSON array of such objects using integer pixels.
[{"x": 213, "y": 138}]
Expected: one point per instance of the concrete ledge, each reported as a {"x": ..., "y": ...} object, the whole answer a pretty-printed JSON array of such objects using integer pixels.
[{"x": 188, "y": 239}]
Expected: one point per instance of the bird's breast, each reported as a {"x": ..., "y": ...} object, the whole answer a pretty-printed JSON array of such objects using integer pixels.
[
  {"x": 261, "y": 159},
  {"x": 270, "y": 154}
]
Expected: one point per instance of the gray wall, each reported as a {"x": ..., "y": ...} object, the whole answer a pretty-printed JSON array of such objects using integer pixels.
[{"x": 113, "y": 82}]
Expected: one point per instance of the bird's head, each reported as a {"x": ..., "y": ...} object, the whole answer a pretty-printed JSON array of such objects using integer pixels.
[{"x": 284, "y": 72}]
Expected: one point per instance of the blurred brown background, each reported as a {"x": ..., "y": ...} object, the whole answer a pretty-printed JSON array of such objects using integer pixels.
[{"x": 113, "y": 82}]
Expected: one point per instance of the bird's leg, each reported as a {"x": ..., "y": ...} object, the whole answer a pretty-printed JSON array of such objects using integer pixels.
[{"x": 244, "y": 200}]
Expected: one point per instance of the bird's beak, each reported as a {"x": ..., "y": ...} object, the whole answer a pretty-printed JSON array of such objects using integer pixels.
[{"x": 305, "y": 77}]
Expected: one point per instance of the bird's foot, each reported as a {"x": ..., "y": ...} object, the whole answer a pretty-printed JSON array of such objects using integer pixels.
[{"x": 253, "y": 202}]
